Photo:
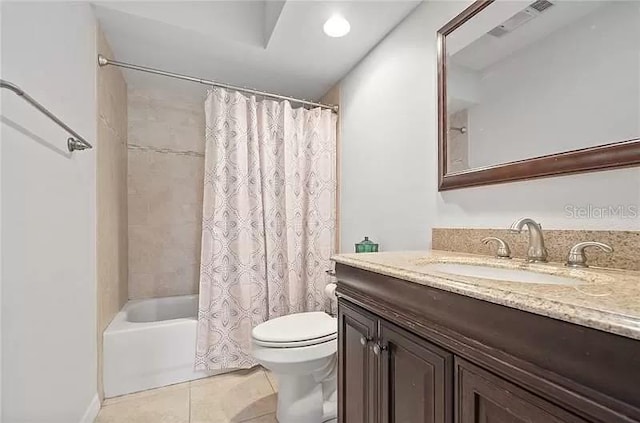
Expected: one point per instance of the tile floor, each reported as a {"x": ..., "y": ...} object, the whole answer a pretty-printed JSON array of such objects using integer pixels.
[{"x": 242, "y": 396}]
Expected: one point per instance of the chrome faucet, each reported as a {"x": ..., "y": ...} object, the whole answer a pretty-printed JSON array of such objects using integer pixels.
[
  {"x": 577, "y": 257},
  {"x": 504, "y": 252},
  {"x": 537, "y": 250}
]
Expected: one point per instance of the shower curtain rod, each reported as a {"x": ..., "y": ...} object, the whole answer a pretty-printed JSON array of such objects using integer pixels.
[{"x": 103, "y": 61}]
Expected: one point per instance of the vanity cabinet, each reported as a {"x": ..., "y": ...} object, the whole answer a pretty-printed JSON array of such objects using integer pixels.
[
  {"x": 409, "y": 353},
  {"x": 389, "y": 375}
]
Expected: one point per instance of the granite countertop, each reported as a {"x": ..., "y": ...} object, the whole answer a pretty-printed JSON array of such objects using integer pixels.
[{"x": 605, "y": 299}]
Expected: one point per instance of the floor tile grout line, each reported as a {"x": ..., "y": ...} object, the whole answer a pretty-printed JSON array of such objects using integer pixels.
[
  {"x": 189, "y": 408},
  {"x": 190, "y": 385},
  {"x": 250, "y": 419},
  {"x": 273, "y": 388}
]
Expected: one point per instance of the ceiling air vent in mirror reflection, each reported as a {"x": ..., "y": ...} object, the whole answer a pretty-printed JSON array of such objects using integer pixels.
[
  {"x": 541, "y": 5},
  {"x": 520, "y": 18}
]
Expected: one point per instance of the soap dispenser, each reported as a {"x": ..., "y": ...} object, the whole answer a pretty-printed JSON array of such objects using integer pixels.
[{"x": 366, "y": 246}]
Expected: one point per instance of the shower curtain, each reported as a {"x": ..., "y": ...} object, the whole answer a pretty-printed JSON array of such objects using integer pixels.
[{"x": 268, "y": 220}]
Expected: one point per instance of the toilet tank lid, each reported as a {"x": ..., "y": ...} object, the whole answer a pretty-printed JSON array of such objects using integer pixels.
[{"x": 296, "y": 327}]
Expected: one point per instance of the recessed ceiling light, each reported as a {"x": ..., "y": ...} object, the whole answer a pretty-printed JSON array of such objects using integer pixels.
[{"x": 336, "y": 26}]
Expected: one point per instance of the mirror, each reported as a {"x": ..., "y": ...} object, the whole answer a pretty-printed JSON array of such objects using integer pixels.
[{"x": 533, "y": 89}]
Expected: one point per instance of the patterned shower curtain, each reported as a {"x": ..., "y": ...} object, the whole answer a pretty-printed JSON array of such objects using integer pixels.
[{"x": 268, "y": 220}]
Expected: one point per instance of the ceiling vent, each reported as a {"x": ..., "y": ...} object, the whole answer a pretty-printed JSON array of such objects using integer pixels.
[
  {"x": 520, "y": 18},
  {"x": 498, "y": 31},
  {"x": 541, "y": 5}
]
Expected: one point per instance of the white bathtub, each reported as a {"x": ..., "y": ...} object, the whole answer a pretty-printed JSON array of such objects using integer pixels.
[{"x": 151, "y": 343}]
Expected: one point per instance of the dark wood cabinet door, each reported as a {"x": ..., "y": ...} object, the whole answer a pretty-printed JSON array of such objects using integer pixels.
[
  {"x": 417, "y": 379},
  {"x": 357, "y": 368},
  {"x": 485, "y": 398}
]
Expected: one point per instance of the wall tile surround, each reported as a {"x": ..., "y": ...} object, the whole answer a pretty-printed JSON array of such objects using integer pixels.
[
  {"x": 626, "y": 244},
  {"x": 165, "y": 186},
  {"x": 111, "y": 196},
  {"x": 458, "y": 143}
]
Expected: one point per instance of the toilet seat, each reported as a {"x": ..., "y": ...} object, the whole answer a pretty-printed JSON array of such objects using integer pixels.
[
  {"x": 296, "y": 344},
  {"x": 296, "y": 330}
]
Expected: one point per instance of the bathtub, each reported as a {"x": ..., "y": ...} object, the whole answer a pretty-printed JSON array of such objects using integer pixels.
[{"x": 151, "y": 343}]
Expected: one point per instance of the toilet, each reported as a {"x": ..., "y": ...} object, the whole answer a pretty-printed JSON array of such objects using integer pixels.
[{"x": 300, "y": 350}]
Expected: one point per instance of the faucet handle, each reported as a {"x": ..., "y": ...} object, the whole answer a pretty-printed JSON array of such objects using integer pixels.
[
  {"x": 577, "y": 257},
  {"x": 503, "y": 248}
]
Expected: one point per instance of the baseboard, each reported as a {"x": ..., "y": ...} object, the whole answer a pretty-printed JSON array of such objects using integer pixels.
[{"x": 92, "y": 411}]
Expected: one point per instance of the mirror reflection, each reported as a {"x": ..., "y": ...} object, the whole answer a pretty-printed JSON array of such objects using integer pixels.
[{"x": 531, "y": 79}]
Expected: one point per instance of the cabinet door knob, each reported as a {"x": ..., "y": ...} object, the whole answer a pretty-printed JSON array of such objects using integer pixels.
[
  {"x": 364, "y": 341},
  {"x": 377, "y": 348}
]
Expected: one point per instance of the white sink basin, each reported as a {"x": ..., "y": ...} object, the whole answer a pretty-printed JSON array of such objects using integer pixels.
[{"x": 500, "y": 274}]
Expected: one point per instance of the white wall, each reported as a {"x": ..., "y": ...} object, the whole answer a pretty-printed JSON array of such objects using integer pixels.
[
  {"x": 586, "y": 94},
  {"x": 48, "y": 216},
  {"x": 1, "y": 337},
  {"x": 463, "y": 88},
  {"x": 389, "y": 155}
]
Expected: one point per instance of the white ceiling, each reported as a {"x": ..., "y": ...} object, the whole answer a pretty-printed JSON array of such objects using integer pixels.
[
  {"x": 271, "y": 45},
  {"x": 486, "y": 50}
]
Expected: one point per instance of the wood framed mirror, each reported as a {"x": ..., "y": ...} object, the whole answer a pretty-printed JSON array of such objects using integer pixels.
[{"x": 537, "y": 89}]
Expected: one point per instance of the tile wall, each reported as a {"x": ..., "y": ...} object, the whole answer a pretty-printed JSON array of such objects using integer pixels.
[
  {"x": 165, "y": 186},
  {"x": 458, "y": 143},
  {"x": 111, "y": 195}
]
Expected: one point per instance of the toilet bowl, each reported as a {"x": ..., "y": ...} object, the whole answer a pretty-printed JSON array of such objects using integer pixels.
[{"x": 300, "y": 350}]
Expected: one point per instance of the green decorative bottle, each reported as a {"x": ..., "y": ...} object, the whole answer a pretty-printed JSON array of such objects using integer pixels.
[{"x": 366, "y": 246}]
